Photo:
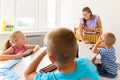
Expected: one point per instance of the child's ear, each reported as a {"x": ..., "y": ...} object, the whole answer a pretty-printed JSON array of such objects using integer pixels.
[{"x": 51, "y": 58}]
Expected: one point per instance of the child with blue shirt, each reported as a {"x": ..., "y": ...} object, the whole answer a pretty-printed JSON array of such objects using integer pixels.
[
  {"x": 108, "y": 66},
  {"x": 61, "y": 50}
]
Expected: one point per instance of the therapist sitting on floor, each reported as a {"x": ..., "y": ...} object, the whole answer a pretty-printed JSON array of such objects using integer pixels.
[{"x": 88, "y": 21}]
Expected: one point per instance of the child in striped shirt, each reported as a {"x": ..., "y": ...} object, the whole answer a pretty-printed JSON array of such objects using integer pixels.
[{"x": 108, "y": 66}]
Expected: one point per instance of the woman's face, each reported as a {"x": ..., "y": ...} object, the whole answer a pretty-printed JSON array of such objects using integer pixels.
[{"x": 86, "y": 15}]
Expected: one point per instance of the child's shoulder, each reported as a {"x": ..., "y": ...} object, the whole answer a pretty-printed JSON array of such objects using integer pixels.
[
  {"x": 83, "y": 60},
  {"x": 104, "y": 51},
  {"x": 44, "y": 76},
  {"x": 107, "y": 49}
]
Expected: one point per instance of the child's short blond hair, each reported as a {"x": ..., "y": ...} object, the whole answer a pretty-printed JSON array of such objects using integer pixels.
[
  {"x": 109, "y": 38},
  {"x": 62, "y": 44}
]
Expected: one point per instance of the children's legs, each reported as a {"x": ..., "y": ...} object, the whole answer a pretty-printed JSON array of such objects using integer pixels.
[
  {"x": 100, "y": 69},
  {"x": 103, "y": 72},
  {"x": 94, "y": 60},
  {"x": 111, "y": 75}
]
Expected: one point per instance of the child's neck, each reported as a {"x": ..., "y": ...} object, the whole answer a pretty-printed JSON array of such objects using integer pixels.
[
  {"x": 109, "y": 46},
  {"x": 67, "y": 68},
  {"x": 19, "y": 46}
]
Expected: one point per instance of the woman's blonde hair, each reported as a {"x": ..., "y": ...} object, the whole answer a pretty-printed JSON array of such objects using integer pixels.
[{"x": 13, "y": 37}]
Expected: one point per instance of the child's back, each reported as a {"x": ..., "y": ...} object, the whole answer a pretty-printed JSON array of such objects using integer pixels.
[
  {"x": 85, "y": 70},
  {"x": 108, "y": 60}
]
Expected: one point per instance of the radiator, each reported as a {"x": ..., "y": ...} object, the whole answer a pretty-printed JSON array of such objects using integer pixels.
[{"x": 35, "y": 39}]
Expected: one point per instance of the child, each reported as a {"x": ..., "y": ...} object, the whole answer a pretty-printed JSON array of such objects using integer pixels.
[
  {"x": 61, "y": 49},
  {"x": 15, "y": 46},
  {"x": 108, "y": 66}
]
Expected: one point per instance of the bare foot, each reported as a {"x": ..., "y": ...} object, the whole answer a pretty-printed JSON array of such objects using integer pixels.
[{"x": 118, "y": 66}]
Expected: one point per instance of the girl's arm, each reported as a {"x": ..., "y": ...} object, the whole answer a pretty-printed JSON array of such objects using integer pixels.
[
  {"x": 9, "y": 51},
  {"x": 33, "y": 47},
  {"x": 30, "y": 72},
  {"x": 9, "y": 57},
  {"x": 6, "y": 57},
  {"x": 81, "y": 31}
]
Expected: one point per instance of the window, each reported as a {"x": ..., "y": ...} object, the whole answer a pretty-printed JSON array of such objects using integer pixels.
[
  {"x": 30, "y": 14},
  {"x": 0, "y": 14},
  {"x": 51, "y": 13},
  {"x": 26, "y": 14}
]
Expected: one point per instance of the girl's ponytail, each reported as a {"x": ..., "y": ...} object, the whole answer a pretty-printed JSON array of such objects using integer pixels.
[{"x": 6, "y": 45}]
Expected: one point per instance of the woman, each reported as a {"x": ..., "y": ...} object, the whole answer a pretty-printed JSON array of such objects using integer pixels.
[{"x": 88, "y": 21}]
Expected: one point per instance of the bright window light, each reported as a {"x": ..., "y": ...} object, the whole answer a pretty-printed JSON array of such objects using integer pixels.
[
  {"x": 26, "y": 14},
  {"x": 26, "y": 22},
  {"x": 51, "y": 13}
]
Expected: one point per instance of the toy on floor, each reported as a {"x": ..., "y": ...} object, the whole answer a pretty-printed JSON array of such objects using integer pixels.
[
  {"x": 90, "y": 34},
  {"x": 48, "y": 68}
]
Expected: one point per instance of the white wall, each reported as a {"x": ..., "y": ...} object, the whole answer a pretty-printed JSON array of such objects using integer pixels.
[{"x": 108, "y": 10}]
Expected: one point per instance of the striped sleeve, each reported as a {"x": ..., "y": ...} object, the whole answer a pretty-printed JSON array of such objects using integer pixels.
[{"x": 102, "y": 51}]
